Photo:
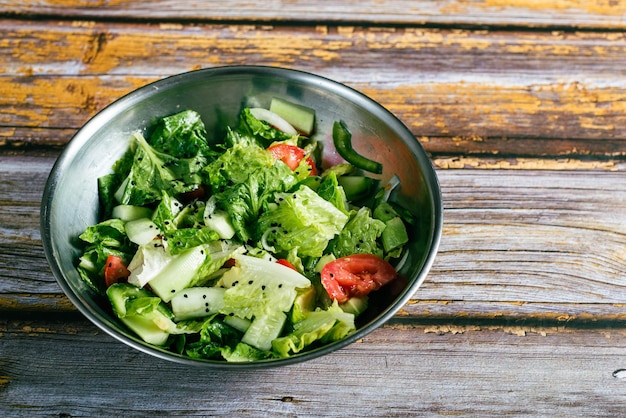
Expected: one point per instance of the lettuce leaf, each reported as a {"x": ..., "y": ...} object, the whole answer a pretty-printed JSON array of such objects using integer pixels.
[
  {"x": 252, "y": 131},
  {"x": 246, "y": 178},
  {"x": 359, "y": 236},
  {"x": 170, "y": 160},
  {"x": 103, "y": 239},
  {"x": 322, "y": 326},
  {"x": 329, "y": 189},
  {"x": 301, "y": 220},
  {"x": 181, "y": 135}
]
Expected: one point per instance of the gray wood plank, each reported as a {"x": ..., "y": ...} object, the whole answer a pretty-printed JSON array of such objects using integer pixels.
[{"x": 398, "y": 370}]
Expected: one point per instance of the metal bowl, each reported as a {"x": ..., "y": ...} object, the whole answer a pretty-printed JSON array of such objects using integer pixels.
[{"x": 70, "y": 201}]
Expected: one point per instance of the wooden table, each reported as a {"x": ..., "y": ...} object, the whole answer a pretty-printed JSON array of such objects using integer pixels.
[{"x": 522, "y": 106}]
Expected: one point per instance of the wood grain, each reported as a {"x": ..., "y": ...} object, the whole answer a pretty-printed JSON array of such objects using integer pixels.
[
  {"x": 463, "y": 92},
  {"x": 517, "y": 244},
  {"x": 533, "y": 13},
  {"x": 428, "y": 370}
]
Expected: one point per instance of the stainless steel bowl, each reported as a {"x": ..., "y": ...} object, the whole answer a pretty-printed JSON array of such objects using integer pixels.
[{"x": 70, "y": 200}]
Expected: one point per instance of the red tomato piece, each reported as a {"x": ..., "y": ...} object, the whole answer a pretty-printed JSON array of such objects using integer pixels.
[
  {"x": 114, "y": 270},
  {"x": 286, "y": 263},
  {"x": 292, "y": 156},
  {"x": 356, "y": 276}
]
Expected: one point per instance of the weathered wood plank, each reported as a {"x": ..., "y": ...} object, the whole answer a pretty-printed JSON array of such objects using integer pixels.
[
  {"x": 536, "y": 13},
  {"x": 464, "y": 92},
  {"x": 517, "y": 244},
  {"x": 398, "y": 370}
]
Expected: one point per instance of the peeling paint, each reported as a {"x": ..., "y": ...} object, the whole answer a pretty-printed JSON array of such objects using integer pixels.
[{"x": 525, "y": 164}]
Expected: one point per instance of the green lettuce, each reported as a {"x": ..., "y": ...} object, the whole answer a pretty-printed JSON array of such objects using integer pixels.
[
  {"x": 329, "y": 189},
  {"x": 103, "y": 239},
  {"x": 252, "y": 131},
  {"x": 359, "y": 236},
  {"x": 246, "y": 178},
  {"x": 170, "y": 160},
  {"x": 320, "y": 326},
  {"x": 301, "y": 220}
]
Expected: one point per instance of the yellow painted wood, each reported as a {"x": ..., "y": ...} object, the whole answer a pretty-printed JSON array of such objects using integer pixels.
[{"x": 528, "y": 13}]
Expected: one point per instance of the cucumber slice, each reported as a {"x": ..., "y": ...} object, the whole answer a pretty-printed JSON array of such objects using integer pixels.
[
  {"x": 240, "y": 324},
  {"x": 141, "y": 231},
  {"x": 300, "y": 117},
  {"x": 357, "y": 187},
  {"x": 130, "y": 212},
  {"x": 394, "y": 235},
  {"x": 264, "y": 329},
  {"x": 219, "y": 222},
  {"x": 384, "y": 211},
  {"x": 355, "y": 305},
  {"x": 177, "y": 275},
  {"x": 153, "y": 326},
  {"x": 197, "y": 302}
]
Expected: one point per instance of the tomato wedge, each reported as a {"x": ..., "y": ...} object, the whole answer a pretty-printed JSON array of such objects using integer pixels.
[
  {"x": 356, "y": 276},
  {"x": 114, "y": 270},
  {"x": 292, "y": 156},
  {"x": 286, "y": 263}
]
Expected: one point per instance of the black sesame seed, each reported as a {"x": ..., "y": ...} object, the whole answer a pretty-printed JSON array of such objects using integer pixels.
[
  {"x": 280, "y": 285},
  {"x": 207, "y": 310},
  {"x": 185, "y": 295},
  {"x": 251, "y": 281},
  {"x": 203, "y": 296},
  {"x": 263, "y": 287},
  {"x": 173, "y": 290},
  {"x": 206, "y": 304}
]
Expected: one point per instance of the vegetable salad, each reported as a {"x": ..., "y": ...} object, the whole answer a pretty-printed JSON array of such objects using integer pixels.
[{"x": 242, "y": 248}]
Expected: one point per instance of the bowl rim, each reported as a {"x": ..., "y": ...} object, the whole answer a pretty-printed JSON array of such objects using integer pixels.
[{"x": 97, "y": 121}]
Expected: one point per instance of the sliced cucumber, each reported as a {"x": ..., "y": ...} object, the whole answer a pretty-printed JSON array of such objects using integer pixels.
[
  {"x": 300, "y": 117},
  {"x": 177, "y": 275},
  {"x": 355, "y": 305},
  {"x": 357, "y": 187},
  {"x": 394, "y": 235},
  {"x": 141, "y": 231},
  {"x": 219, "y": 222},
  {"x": 264, "y": 329},
  {"x": 240, "y": 324},
  {"x": 384, "y": 211},
  {"x": 154, "y": 326},
  {"x": 130, "y": 212},
  {"x": 197, "y": 302}
]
